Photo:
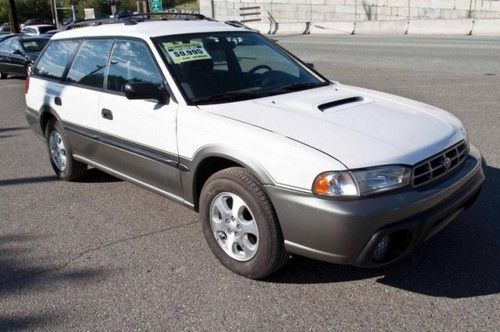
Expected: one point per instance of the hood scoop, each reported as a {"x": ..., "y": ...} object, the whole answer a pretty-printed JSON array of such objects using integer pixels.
[{"x": 340, "y": 102}]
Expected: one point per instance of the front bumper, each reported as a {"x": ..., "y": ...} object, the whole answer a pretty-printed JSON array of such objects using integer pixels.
[{"x": 347, "y": 231}]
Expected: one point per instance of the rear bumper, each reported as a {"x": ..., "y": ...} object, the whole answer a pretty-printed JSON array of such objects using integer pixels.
[
  {"x": 33, "y": 119},
  {"x": 347, "y": 232}
]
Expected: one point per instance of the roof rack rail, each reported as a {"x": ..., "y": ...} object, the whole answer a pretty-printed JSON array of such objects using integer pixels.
[{"x": 132, "y": 19}]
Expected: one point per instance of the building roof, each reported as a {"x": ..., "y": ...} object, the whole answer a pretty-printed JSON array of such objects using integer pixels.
[{"x": 148, "y": 29}]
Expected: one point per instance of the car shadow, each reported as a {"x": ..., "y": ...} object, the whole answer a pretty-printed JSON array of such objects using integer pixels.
[
  {"x": 21, "y": 273},
  {"x": 9, "y": 129},
  {"x": 461, "y": 261},
  {"x": 10, "y": 132},
  {"x": 27, "y": 180},
  {"x": 94, "y": 175}
]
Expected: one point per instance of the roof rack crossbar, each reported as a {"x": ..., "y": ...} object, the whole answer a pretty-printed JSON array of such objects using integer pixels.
[{"x": 132, "y": 19}]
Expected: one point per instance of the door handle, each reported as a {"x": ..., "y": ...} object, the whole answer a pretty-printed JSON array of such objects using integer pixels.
[
  {"x": 58, "y": 101},
  {"x": 107, "y": 114}
]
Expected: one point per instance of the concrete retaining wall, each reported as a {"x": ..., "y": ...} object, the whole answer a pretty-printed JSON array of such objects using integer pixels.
[
  {"x": 440, "y": 27},
  {"x": 417, "y": 27},
  {"x": 351, "y": 10},
  {"x": 486, "y": 27}
]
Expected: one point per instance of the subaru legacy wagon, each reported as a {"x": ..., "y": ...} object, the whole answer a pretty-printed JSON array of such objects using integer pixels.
[{"x": 276, "y": 158}]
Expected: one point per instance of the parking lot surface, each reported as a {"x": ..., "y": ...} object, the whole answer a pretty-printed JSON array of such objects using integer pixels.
[{"x": 104, "y": 254}]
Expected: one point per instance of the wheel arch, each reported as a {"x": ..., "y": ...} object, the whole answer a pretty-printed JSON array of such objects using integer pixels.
[
  {"x": 211, "y": 159},
  {"x": 47, "y": 113}
]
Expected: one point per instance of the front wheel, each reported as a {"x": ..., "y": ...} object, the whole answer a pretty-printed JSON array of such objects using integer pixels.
[
  {"x": 3, "y": 75},
  {"x": 240, "y": 225},
  {"x": 61, "y": 156}
]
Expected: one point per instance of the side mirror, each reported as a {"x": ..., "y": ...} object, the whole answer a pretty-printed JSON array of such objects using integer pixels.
[
  {"x": 142, "y": 90},
  {"x": 310, "y": 65}
]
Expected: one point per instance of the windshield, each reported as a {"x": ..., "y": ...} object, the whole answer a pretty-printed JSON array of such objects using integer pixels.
[
  {"x": 231, "y": 66},
  {"x": 45, "y": 29},
  {"x": 34, "y": 45}
]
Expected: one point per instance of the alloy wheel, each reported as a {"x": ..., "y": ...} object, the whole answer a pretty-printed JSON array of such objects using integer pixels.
[
  {"x": 234, "y": 226},
  {"x": 57, "y": 150}
]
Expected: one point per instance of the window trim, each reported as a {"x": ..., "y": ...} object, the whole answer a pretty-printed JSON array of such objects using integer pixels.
[
  {"x": 80, "y": 41},
  {"x": 188, "y": 101},
  {"x": 155, "y": 63},
  {"x": 72, "y": 60}
]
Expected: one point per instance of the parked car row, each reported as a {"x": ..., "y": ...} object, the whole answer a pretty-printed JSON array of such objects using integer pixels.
[{"x": 19, "y": 52}]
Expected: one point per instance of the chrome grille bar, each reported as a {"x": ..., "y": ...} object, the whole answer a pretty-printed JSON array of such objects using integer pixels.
[{"x": 439, "y": 165}]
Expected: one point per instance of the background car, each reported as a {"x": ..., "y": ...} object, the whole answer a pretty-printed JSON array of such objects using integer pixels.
[
  {"x": 17, "y": 54},
  {"x": 50, "y": 33},
  {"x": 5, "y": 28},
  {"x": 36, "y": 30},
  {"x": 6, "y": 36},
  {"x": 35, "y": 21}
]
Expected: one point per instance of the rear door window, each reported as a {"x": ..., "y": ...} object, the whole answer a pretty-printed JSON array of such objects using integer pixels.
[
  {"x": 131, "y": 62},
  {"x": 54, "y": 60},
  {"x": 89, "y": 65}
]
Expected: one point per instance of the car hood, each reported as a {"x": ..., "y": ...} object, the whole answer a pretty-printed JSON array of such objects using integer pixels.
[{"x": 358, "y": 127}]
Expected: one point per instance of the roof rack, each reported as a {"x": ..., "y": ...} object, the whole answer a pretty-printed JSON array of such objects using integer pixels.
[{"x": 133, "y": 19}]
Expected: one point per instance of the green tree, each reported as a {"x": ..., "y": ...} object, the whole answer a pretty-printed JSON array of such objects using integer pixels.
[{"x": 26, "y": 9}]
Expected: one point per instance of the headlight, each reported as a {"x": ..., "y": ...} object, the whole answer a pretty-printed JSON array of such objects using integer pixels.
[{"x": 361, "y": 182}]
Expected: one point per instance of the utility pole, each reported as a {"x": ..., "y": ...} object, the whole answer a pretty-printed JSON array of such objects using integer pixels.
[
  {"x": 73, "y": 11},
  {"x": 53, "y": 4},
  {"x": 113, "y": 4},
  {"x": 14, "y": 20}
]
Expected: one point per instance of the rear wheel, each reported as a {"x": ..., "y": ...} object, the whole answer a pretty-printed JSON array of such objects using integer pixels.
[
  {"x": 239, "y": 224},
  {"x": 61, "y": 156},
  {"x": 2, "y": 75}
]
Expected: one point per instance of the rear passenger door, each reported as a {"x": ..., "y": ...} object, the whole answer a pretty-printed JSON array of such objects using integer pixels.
[
  {"x": 138, "y": 136},
  {"x": 79, "y": 98}
]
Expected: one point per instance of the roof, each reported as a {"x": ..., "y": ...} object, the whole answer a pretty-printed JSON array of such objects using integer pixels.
[
  {"x": 38, "y": 26},
  {"x": 148, "y": 29}
]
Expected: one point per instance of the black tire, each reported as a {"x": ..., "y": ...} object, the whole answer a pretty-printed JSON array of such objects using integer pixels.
[
  {"x": 2, "y": 75},
  {"x": 271, "y": 254},
  {"x": 74, "y": 169}
]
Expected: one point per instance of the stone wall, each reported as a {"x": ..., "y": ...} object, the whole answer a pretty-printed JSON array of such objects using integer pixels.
[{"x": 348, "y": 10}]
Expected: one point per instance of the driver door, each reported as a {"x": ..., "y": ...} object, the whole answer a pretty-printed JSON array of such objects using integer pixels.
[
  {"x": 17, "y": 58},
  {"x": 138, "y": 136},
  {"x": 6, "y": 50}
]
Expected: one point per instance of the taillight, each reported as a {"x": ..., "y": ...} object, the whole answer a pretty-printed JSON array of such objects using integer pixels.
[{"x": 27, "y": 84}]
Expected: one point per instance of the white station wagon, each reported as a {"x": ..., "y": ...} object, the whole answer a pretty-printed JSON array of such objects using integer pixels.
[{"x": 276, "y": 158}]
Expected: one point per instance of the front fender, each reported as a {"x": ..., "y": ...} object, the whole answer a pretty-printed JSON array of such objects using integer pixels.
[{"x": 191, "y": 167}]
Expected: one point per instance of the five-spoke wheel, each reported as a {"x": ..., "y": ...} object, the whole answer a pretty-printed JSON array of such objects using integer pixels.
[
  {"x": 61, "y": 156},
  {"x": 234, "y": 226},
  {"x": 240, "y": 225}
]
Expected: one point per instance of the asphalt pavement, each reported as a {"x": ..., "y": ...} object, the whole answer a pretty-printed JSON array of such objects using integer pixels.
[{"x": 103, "y": 254}]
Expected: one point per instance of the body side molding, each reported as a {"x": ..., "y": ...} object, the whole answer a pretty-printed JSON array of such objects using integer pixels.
[{"x": 135, "y": 181}]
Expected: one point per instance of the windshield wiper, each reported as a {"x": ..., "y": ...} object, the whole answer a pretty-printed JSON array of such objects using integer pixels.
[
  {"x": 229, "y": 96},
  {"x": 301, "y": 86}
]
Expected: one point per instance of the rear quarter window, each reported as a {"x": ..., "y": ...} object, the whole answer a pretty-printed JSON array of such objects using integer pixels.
[{"x": 54, "y": 60}]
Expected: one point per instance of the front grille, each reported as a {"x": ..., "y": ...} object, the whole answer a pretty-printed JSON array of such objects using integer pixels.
[{"x": 439, "y": 165}]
